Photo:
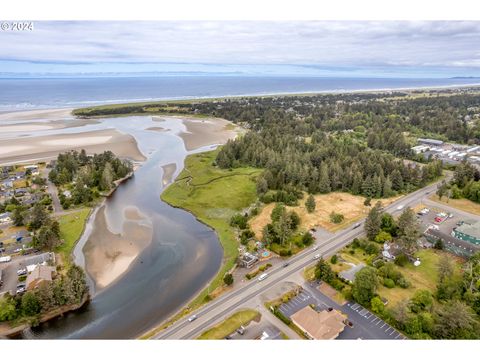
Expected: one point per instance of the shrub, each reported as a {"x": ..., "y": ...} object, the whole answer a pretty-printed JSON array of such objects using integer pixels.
[
  {"x": 336, "y": 218},
  {"x": 403, "y": 283},
  {"x": 307, "y": 239},
  {"x": 401, "y": 260},
  {"x": 239, "y": 221},
  {"x": 372, "y": 249},
  {"x": 389, "y": 283},
  {"x": 334, "y": 259},
  {"x": 228, "y": 279}
]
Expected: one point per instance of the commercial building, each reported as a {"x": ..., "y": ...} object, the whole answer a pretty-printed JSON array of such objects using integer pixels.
[
  {"x": 323, "y": 325},
  {"x": 430, "y": 141},
  {"x": 39, "y": 275},
  {"x": 468, "y": 232}
]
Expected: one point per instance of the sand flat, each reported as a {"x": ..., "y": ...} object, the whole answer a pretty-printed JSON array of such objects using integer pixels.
[
  {"x": 208, "y": 131},
  {"x": 168, "y": 171},
  {"x": 25, "y": 149},
  {"x": 110, "y": 255},
  {"x": 49, "y": 114}
]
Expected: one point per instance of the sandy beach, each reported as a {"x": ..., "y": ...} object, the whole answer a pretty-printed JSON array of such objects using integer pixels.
[
  {"x": 111, "y": 254},
  {"x": 44, "y": 148},
  {"x": 204, "y": 132}
]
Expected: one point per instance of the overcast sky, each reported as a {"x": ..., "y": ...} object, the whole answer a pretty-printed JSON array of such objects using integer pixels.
[{"x": 401, "y": 49}]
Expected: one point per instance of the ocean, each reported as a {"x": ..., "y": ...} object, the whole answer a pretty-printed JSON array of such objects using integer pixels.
[{"x": 23, "y": 94}]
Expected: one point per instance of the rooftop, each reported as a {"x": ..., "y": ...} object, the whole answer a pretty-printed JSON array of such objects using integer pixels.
[
  {"x": 470, "y": 229},
  {"x": 323, "y": 325}
]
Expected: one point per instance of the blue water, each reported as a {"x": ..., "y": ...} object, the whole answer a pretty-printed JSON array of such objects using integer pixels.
[{"x": 18, "y": 94}]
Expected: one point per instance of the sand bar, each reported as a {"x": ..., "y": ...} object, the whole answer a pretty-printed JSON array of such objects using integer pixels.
[
  {"x": 209, "y": 131},
  {"x": 25, "y": 149},
  {"x": 168, "y": 171}
]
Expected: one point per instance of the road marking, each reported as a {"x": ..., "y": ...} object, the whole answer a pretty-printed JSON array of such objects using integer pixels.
[
  {"x": 389, "y": 328},
  {"x": 383, "y": 326},
  {"x": 363, "y": 312},
  {"x": 369, "y": 316},
  {"x": 378, "y": 322},
  {"x": 392, "y": 332},
  {"x": 374, "y": 318},
  {"x": 355, "y": 307},
  {"x": 397, "y": 336}
]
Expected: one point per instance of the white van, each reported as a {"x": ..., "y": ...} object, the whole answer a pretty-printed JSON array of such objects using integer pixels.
[{"x": 262, "y": 277}]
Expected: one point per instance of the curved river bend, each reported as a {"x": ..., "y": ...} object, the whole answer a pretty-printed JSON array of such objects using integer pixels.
[{"x": 182, "y": 257}]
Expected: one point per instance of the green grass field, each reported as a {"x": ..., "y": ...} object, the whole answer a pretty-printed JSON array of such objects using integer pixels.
[
  {"x": 231, "y": 324},
  {"x": 71, "y": 228},
  {"x": 197, "y": 190},
  {"x": 423, "y": 277}
]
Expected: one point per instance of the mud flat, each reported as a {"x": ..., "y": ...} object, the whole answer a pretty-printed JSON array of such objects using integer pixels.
[{"x": 43, "y": 148}]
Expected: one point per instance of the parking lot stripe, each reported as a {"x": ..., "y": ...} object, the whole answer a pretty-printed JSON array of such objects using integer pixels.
[
  {"x": 355, "y": 307},
  {"x": 392, "y": 332},
  {"x": 383, "y": 326},
  {"x": 374, "y": 318},
  {"x": 389, "y": 328}
]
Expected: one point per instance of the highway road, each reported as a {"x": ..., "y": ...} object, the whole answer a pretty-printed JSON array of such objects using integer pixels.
[{"x": 216, "y": 310}]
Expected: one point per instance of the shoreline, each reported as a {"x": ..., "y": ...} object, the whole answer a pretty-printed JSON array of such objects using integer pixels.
[
  {"x": 7, "y": 331},
  {"x": 188, "y": 99}
]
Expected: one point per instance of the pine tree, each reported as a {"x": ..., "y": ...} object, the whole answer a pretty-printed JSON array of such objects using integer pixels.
[
  {"x": 324, "y": 182},
  {"x": 374, "y": 221},
  {"x": 310, "y": 204},
  {"x": 387, "y": 188}
]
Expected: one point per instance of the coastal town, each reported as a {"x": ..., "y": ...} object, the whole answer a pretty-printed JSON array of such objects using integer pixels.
[{"x": 227, "y": 183}]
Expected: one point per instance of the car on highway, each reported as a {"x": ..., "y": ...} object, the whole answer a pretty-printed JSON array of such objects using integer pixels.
[
  {"x": 262, "y": 277},
  {"x": 357, "y": 225},
  {"x": 315, "y": 247},
  {"x": 285, "y": 264},
  {"x": 400, "y": 207},
  {"x": 192, "y": 318},
  {"x": 317, "y": 256}
]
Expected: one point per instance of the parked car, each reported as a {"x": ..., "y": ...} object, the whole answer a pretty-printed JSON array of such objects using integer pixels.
[
  {"x": 21, "y": 288},
  {"x": 241, "y": 330},
  {"x": 192, "y": 318},
  {"x": 22, "y": 272}
]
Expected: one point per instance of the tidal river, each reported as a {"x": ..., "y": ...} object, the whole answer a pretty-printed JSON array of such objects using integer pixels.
[{"x": 177, "y": 255}]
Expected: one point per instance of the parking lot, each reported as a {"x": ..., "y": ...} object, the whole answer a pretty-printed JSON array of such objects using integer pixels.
[
  {"x": 370, "y": 325},
  {"x": 304, "y": 298},
  {"x": 10, "y": 277},
  {"x": 366, "y": 325}
]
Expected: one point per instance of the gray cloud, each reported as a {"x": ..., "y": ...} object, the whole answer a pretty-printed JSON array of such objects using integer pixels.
[{"x": 325, "y": 43}]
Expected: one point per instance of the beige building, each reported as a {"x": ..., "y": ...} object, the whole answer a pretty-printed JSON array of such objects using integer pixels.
[
  {"x": 39, "y": 275},
  {"x": 323, "y": 325}
]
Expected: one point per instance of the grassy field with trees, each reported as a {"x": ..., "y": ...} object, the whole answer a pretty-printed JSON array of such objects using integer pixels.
[
  {"x": 71, "y": 228},
  {"x": 197, "y": 190}
]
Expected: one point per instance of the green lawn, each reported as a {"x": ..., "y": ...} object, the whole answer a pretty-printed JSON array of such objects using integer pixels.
[
  {"x": 423, "y": 277},
  {"x": 71, "y": 228},
  {"x": 231, "y": 324},
  {"x": 198, "y": 189}
]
